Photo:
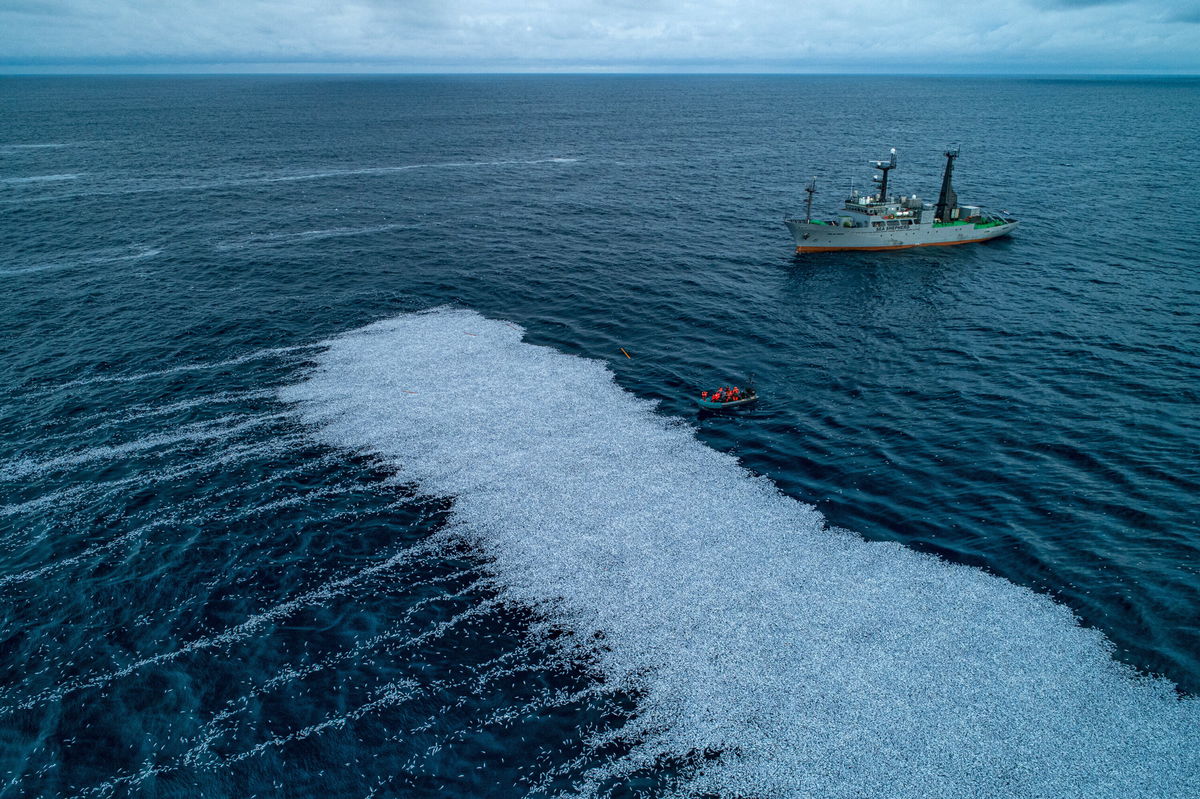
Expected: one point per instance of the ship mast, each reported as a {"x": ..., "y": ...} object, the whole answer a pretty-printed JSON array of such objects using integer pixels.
[
  {"x": 811, "y": 189},
  {"x": 884, "y": 167},
  {"x": 947, "y": 200}
]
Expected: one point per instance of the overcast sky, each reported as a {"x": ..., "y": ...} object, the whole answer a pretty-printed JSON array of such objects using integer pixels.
[{"x": 940, "y": 36}]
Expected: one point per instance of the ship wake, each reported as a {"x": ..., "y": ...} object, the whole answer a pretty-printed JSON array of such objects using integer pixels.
[{"x": 770, "y": 654}]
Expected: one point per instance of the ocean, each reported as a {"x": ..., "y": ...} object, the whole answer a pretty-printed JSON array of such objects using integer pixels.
[{"x": 348, "y": 445}]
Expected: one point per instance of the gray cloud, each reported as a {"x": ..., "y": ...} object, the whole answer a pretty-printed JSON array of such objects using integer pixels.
[{"x": 784, "y": 35}]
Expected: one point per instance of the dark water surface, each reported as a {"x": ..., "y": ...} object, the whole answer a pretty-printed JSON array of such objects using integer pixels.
[{"x": 205, "y": 595}]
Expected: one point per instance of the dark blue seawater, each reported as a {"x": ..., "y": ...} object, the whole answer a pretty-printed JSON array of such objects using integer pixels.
[{"x": 210, "y": 588}]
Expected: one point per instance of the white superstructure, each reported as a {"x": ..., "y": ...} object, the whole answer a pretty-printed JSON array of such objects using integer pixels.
[{"x": 881, "y": 222}]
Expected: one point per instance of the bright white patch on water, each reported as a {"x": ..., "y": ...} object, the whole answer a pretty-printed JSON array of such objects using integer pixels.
[
  {"x": 227, "y": 455},
  {"x": 93, "y": 260},
  {"x": 273, "y": 352},
  {"x": 23, "y": 467},
  {"x": 161, "y": 186},
  {"x": 383, "y": 170},
  {"x": 41, "y": 178},
  {"x": 140, "y": 413},
  {"x": 277, "y": 239},
  {"x": 818, "y": 663}
]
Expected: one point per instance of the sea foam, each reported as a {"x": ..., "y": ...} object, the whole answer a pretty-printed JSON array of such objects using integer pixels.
[
  {"x": 41, "y": 178},
  {"x": 814, "y": 662}
]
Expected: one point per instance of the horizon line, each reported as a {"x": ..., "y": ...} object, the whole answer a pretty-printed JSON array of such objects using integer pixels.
[{"x": 17, "y": 71}]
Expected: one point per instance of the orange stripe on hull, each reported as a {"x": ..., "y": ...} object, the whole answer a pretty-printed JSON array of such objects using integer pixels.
[{"x": 893, "y": 246}]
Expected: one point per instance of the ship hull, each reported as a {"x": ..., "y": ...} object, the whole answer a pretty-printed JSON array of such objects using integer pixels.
[{"x": 815, "y": 237}]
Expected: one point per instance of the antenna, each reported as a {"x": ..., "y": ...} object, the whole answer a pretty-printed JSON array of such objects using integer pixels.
[
  {"x": 811, "y": 189},
  {"x": 884, "y": 167}
]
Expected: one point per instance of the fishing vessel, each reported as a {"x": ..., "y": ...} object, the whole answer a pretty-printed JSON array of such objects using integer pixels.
[{"x": 880, "y": 222}]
